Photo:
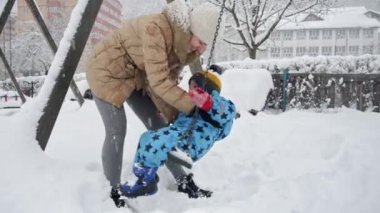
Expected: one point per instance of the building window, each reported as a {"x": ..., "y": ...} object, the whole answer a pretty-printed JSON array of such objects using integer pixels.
[
  {"x": 368, "y": 49},
  {"x": 300, "y": 51},
  {"x": 314, "y": 34},
  {"x": 275, "y": 52},
  {"x": 368, "y": 33},
  {"x": 301, "y": 35},
  {"x": 340, "y": 34},
  {"x": 288, "y": 35},
  {"x": 326, "y": 34},
  {"x": 313, "y": 51},
  {"x": 340, "y": 50},
  {"x": 326, "y": 51},
  {"x": 287, "y": 52},
  {"x": 275, "y": 36},
  {"x": 353, "y": 33},
  {"x": 353, "y": 50}
]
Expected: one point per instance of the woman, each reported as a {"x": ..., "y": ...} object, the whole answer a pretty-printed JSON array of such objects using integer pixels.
[{"x": 140, "y": 63}]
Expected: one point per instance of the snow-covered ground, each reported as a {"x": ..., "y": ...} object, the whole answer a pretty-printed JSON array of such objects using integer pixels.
[{"x": 295, "y": 162}]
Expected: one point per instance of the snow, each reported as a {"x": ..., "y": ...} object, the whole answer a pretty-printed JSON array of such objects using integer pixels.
[{"x": 297, "y": 161}]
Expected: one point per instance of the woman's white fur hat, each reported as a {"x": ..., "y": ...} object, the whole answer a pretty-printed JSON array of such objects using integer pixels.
[{"x": 203, "y": 21}]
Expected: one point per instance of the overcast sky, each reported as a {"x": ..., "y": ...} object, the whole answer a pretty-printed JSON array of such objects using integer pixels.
[{"x": 133, "y": 8}]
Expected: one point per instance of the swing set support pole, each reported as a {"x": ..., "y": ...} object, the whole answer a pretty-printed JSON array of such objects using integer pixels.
[
  {"x": 66, "y": 72},
  {"x": 36, "y": 13}
]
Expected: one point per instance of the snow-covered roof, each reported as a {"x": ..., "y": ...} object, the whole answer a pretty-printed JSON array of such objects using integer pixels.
[{"x": 343, "y": 17}]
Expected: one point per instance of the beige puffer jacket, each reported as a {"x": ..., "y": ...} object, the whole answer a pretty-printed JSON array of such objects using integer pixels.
[{"x": 145, "y": 53}]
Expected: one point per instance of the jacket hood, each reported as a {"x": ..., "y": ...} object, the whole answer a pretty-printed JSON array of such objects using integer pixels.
[
  {"x": 178, "y": 12},
  {"x": 178, "y": 15}
]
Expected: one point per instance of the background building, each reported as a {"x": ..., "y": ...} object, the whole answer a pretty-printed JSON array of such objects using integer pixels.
[
  {"x": 109, "y": 18},
  {"x": 341, "y": 31},
  {"x": 57, "y": 13},
  {"x": 24, "y": 45}
]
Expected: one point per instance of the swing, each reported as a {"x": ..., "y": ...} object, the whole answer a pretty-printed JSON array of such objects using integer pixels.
[
  {"x": 188, "y": 133},
  {"x": 180, "y": 157}
]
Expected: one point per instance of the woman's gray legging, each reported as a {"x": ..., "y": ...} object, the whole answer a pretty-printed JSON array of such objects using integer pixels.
[{"x": 115, "y": 123}]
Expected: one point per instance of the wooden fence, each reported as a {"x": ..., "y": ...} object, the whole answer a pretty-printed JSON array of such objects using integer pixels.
[{"x": 322, "y": 90}]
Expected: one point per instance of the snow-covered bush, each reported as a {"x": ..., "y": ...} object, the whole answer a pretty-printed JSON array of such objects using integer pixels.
[
  {"x": 321, "y": 82},
  {"x": 321, "y": 64}
]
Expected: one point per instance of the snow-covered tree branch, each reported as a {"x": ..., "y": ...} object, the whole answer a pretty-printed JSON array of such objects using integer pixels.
[{"x": 254, "y": 20}]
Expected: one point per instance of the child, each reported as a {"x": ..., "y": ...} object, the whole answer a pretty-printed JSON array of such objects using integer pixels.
[{"x": 194, "y": 134}]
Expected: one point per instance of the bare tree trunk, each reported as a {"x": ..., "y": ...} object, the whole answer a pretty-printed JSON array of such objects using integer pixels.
[{"x": 252, "y": 53}]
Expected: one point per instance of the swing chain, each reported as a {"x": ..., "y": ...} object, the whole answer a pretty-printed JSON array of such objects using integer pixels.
[{"x": 215, "y": 36}]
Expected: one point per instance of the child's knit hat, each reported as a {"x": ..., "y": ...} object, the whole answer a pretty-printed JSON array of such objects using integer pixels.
[{"x": 207, "y": 81}]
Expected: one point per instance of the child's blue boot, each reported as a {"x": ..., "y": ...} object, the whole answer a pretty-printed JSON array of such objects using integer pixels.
[{"x": 145, "y": 185}]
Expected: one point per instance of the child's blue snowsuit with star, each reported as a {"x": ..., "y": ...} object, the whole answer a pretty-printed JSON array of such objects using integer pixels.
[
  {"x": 154, "y": 146},
  {"x": 209, "y": 127}
]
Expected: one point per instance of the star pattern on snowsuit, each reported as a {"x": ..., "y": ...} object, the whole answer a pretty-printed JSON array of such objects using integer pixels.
[
  {"x": 180, "y": 135},
  {"x": 193, "y": 146},
  {"x": 224, "y": 116},
  {"x": 156, "y": 137},
  {"x": 200, "y": 151},
  {"x": 163, "y": 147},
  {"x": 199, "y": 129},
  {"x": 174, "y": 128},
  {"x": 148, "y": 147},
  {"x": 230, "y": 109},
  {"x": 186, "y": 147}
]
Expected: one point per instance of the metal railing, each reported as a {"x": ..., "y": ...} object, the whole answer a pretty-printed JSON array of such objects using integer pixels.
[{"x": 323, "y": 90}]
